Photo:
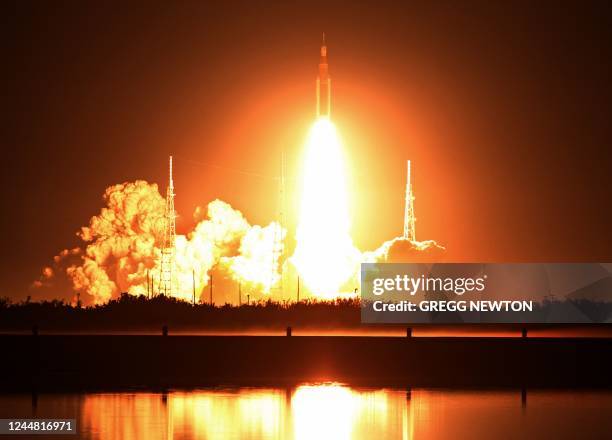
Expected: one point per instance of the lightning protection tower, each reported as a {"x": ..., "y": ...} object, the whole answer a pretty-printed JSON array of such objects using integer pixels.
[
  {"x": 277, "y": 246},
  {"x": 409, "y": 218},
  {"x": 168, "y": 251}
]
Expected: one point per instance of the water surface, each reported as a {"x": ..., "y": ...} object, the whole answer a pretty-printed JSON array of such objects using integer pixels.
[{"x": 324, "y": 411}]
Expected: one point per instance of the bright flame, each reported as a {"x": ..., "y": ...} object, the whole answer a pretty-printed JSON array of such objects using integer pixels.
[{"x": 324, "y": 256}]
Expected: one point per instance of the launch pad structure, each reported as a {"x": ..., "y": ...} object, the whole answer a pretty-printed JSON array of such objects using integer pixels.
[
  {"x": 167, "y": 267},
  {"x": 277, "y": 245},
  {"x": 167, "y": 281},
  {"x": 409, "y": 217}
]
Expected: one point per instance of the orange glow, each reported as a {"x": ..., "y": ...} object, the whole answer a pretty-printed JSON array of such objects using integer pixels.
[
  {"x": 324, "y": 411},
  {"x": 212, "y": 415},
  {"x": 122, "y": 416}
]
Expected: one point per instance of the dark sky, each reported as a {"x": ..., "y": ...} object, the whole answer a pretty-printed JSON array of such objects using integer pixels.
[{"x": 504, "y": 109}]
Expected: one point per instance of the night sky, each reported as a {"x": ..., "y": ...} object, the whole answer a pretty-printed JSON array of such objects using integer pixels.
[{"x": 504, "y": 109}]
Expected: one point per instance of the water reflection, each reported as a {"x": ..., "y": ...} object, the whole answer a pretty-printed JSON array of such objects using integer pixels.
[{"x": 325, "y": 411}]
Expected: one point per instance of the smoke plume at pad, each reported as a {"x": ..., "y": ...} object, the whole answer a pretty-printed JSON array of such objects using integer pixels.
[
  {"x": 122, "y": 244},
  {"x": 400, "y": 250}
]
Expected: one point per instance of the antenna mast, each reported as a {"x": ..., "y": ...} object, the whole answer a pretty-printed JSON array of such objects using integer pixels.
[
  {"x": 168, "y": 251},
  {"x": 409, "y": 218},
  {"x": 277, "y": 246}
]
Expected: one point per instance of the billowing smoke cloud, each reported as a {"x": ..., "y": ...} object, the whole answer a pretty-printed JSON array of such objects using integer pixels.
[
  {"x": 122, "y": 248},
  {"x": 396, "y": 250},
  {"x": 226, "y": 241},
  {"x": 45, "y": 278},
  {"x": 121, "y": 242},
  {"x": 400, "y": 250},
  {"x": 258, "y": 259}
]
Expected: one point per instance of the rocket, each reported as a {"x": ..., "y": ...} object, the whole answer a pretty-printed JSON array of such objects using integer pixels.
[{"x": 323, "y": 84}]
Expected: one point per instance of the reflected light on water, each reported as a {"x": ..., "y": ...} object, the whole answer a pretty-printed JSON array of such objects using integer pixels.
[
  {"x": 222, "y": 414},
  {"x": 123, "y": 416},
  {"x": 325, "y": 411}
]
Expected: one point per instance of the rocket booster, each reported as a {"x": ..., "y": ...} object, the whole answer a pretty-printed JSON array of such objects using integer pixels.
[{"x": 323, "y": 84}]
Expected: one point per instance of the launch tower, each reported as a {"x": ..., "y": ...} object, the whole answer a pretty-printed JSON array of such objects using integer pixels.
[
  {"x": 168, "y": 251},
  {"x": 277, "y": 246},
  {"x": 409, "y": 218}
]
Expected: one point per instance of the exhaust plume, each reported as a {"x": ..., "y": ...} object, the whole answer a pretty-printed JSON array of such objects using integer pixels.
[{"x": 122, "y": 244}]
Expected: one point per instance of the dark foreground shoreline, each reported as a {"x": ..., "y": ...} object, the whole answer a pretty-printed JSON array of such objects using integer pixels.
[{"x": 90, "y": 362}]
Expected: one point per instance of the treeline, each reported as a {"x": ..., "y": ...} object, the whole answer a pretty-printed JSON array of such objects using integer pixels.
[
  {"x": 139, "y": 313},
  {"x": 129, "y": 312}
]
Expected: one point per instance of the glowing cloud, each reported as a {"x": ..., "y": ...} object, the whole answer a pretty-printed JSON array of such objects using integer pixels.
[{"x": 122, "y": 246}]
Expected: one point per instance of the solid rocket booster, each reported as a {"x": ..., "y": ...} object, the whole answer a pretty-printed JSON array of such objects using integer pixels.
[{"x": 323, "y": 84}]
